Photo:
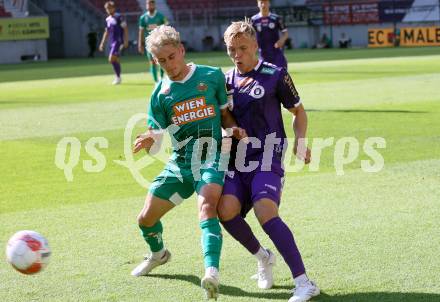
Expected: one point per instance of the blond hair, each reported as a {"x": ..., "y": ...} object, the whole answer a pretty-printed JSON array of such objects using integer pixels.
[
  {"x": 109, "y": 4},
  {"x": 239, "y": 28},
  {"x": 161, "y": 36}
]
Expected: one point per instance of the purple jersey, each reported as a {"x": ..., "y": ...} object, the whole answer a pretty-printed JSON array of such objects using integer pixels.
[
  {"x": 268, "y": 33},
  {"x": 256, "y": 102},
  {"x": 115, "y": 28}
]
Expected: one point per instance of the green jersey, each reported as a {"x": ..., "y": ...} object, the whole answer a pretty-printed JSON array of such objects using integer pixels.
[
  {"x": 148, "y": 22},
  {"x": 192, "y": 107}
]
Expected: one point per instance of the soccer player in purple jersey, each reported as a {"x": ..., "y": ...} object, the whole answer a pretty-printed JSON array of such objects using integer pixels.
[
  {"x": 116, "y": 28},
  {"x": 268, "y": 26},
  {"x": 257, "y": 90}
]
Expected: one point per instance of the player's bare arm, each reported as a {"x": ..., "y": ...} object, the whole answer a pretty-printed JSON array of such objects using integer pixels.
[
  {"x": 104, "y": 39},
  {"x": 280, "y": 43},
  {"x": 300, "y": 129},
  {"x": 125, "y": 27},
  {"x": 228, "y": 122}
]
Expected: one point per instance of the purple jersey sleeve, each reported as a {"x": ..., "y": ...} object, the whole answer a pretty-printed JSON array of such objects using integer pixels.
[
  {"x": 286, "y": 91},
  {"x": 280, "y": 23}
]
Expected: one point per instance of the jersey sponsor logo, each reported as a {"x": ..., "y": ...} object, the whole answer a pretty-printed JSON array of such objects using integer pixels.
[
  {"x": 267, "y": 70},
  {"x": 192, "y": 110},
  {"x": 202, "y": 87},
  {"x": 230, "y": 174},
  {"x": 152, "y": 26}
]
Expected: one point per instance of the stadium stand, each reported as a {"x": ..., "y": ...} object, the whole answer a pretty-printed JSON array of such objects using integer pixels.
[
  {"x": 210, "y": 4},
  {"x": 126, "y": 6},
  {"x": 192, "y": 12}
]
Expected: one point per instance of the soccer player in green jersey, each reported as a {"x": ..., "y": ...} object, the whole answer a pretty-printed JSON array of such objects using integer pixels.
[
  {"x": 191, "y": 103},
  {"x": 147, "y": 22}
]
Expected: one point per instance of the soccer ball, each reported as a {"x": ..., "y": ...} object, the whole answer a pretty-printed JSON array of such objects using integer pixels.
[{"x": 28, "y": 252}]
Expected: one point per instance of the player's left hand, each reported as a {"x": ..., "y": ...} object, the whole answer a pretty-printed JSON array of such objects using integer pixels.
[
  {"x": 302, "y": 152},
  {"x": 279, "y": 44}
]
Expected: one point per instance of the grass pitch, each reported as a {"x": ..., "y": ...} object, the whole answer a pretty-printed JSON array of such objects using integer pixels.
[{"x": 363, "y": 236}]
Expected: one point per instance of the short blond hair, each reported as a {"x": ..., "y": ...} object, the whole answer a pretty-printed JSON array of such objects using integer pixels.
[
  {"x": 109, "y": 4},
  {"x": 161, "y": 36},
  {"x": 239, "y": 28}
]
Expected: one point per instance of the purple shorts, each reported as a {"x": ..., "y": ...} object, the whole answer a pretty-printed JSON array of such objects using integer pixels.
[
  {"x": 115, "y": 49},
  {"x": 253, "y": 186}
]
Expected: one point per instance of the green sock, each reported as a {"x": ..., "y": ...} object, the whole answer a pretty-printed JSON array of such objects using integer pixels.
[
  {"x": 153, "y": 70},
  {"x": 211, "y": 241},
  {"x": 153, "y": 236}
]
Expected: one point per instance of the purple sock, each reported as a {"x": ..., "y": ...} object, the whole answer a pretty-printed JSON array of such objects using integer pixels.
[
  {"x": 241, "y": 231},
  {"x": 117, "y": 68},
  {"x": 282, "y": 237}
]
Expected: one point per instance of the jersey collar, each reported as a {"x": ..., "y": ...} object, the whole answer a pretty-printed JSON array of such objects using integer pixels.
[
  {"x": 192, "y": 69},
  {"x": 255, "y": 68},
  {"x": 153, "y": 15}
]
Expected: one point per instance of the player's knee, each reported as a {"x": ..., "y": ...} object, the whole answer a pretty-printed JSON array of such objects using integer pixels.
[
  {"x": 265, "y": 209},
  {"x": 208, "y": 209},
  {"x": 226, "y": 212},
  {"x": 145, "y": 220}
]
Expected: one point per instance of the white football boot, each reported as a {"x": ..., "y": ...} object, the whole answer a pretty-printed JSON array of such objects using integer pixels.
[
  {"x": 150, "y": 263},
  {"x": 265, "y": 274},
  {"x": 210, "y": 283},
  {"x": 117, "y": 81},
  {"x": 304, "y": 292}
]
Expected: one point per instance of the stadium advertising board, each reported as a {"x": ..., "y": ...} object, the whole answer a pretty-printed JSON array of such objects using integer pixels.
[
  {"x": 24, "y": 28},
  {"x": 351, "y": 13},
  {"x": 406, "y": 36}
]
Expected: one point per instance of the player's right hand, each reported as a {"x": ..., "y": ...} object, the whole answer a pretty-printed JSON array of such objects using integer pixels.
[
  {"x": 101, "y": 47},
  {"x": 141, "y": 49},
  {"x": 238, "y": 133},
  {"x": 143, "y": 141}
]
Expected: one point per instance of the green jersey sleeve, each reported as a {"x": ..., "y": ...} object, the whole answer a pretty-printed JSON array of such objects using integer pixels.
[
  {"x": 142, "y": 22},
  {"x": 221, "y": 94},
  {"x": 156, "y": 118}
]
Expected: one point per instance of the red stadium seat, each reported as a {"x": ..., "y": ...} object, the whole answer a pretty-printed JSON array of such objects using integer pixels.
[{"x": 4, "y": 13}]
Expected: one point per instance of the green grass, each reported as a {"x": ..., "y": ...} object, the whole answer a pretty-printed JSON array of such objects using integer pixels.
[{"x": 364, "y": 237}]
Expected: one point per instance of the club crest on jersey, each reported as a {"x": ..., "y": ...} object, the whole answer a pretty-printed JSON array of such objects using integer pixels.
[
  {"x": 271, "y": 25},
  {"x": 192, "y": 110},
  {"x": 258, "y": 27},
  {"x": 257, "y": 92},
  {"x": 202, "y": 87}
]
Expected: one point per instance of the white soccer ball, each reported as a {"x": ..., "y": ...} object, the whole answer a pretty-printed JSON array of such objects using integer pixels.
[{"x": 28, "y": 252}]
